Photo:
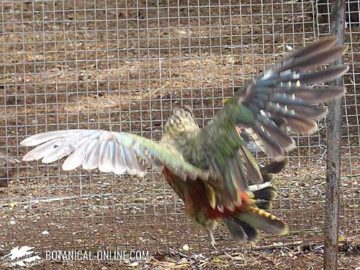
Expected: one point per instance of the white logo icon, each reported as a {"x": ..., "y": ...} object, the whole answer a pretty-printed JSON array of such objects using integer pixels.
[{"x": 22, "y": 256}]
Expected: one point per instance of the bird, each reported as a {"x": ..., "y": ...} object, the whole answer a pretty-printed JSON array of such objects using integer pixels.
[{"x": 210, "y": 167}]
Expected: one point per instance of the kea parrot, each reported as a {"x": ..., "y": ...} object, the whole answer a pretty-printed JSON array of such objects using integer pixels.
[{"x": 210, "y": 168}]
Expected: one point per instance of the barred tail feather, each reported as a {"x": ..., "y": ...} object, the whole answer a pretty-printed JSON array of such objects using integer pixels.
[
  {"x": 263, "y": 221},
  {"x": 245, "y": 226}
]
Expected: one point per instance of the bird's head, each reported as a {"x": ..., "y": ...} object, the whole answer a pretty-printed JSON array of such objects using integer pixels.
[{"x": 181, "y": 120}]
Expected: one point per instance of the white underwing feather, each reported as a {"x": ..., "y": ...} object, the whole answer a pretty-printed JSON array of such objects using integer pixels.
[
  {"x": 77, "y": 158},
  {"x": 92, "y": 158},
  {"x": 115, "y": 152}
]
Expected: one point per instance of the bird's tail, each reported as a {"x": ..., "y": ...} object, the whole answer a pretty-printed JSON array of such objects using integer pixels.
[
  {"x": 245, "y": 224},
  {"x": 265, "y": 193}
]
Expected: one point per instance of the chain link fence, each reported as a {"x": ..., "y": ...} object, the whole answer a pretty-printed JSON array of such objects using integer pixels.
[{"x": 120, "y": 65}]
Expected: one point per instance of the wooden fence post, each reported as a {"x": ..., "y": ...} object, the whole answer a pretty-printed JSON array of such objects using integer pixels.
[{"x": 337, "y": 24}]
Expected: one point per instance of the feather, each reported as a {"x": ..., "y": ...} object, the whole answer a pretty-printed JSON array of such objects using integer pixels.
[
  {"x": 253, "y": 175},
  {"x": 233, "y": 178},
  {"x": 314, "y": 59},
  {"x": 39, "y": 152},
  {"x": 119, "y": 164},
  {"x": 57, "y": 153},
  {"x": 320, "y": 45},
  {"x": 326, "y": 75},
  {"x": 239, "y": 230},
  {"x": 92, "y": 156},
  {"x": 105, "y": 160},
  {"x": 264, "y": 221},
  {"x": 109, "y": 152},
  {"x": 312, "y": 95},
  {"x": 280, "y": 136},
  {"x": 283, "y": 94},
  {"x": 42, "y": 138},
  {"x": 77, "y": 158},
  {"x": 270, "y": 145},
  {"x": 295, "y": 122}
]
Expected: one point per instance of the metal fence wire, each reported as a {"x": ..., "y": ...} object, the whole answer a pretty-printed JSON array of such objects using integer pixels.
[{"x": 119, "y": 65}]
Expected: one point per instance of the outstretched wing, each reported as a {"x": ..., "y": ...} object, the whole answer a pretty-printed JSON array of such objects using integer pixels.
[
  {"x": 115, "y": 152},
  {"x": 286, "y": 94},
  {"x": 283, "y": 97}
]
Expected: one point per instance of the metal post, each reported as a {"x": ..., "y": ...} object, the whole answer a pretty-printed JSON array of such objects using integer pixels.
[{"x": 333, "y": 148}]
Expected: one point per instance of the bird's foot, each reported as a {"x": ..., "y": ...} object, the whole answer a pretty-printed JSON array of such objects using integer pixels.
[{"x": 212, "y": 239}]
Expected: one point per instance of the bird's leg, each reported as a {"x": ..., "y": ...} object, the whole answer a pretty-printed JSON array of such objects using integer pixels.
[{"x": 212, "y": 239}]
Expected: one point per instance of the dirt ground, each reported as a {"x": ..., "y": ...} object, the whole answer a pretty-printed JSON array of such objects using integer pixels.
[{"x": 120, "y": 65}]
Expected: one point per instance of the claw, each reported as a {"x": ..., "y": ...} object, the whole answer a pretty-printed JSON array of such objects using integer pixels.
[{"x": 212, "y": 239}]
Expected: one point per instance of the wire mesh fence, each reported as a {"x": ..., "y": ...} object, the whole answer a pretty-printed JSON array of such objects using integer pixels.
[{"x": 120, "y": 65}]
